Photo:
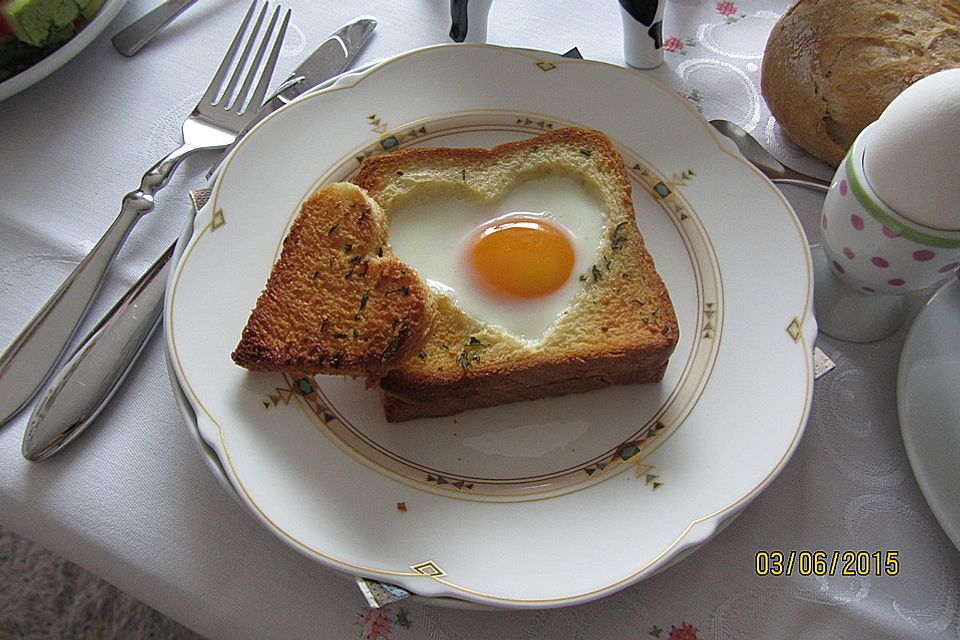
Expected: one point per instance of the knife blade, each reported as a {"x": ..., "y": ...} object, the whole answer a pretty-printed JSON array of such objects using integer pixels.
[
  {"x": 89, "y": 378},
  {"x": 328, "y": 60}
]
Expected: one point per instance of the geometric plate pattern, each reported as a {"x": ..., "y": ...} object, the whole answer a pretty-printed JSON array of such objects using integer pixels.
[
  {"x": 430, "y": 569},
  {"x": 628, "y": 454}
]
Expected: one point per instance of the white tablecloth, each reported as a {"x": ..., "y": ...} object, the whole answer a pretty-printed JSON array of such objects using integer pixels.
[{"x": 134, "y": 502}]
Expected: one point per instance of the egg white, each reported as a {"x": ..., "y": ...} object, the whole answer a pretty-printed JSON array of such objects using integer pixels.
[{"x": 431, "y": 233}]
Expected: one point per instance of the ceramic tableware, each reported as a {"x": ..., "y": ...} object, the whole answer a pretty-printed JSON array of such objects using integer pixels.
[
  {"x": 34, "y": 74},
  {"x": 873, "y": 255},
  {"x": 508, "y": 506},
  {"x": 929, "y": 406}
]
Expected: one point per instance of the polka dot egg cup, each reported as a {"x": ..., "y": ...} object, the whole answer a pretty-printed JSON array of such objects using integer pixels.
[{"x": 875, "y": 252}]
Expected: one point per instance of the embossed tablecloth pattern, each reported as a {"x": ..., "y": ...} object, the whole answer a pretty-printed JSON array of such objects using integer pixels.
[{"x": 133, "y": 501}]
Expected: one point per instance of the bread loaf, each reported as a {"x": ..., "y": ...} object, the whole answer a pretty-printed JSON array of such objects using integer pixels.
[{"x": 831, "y": 67}]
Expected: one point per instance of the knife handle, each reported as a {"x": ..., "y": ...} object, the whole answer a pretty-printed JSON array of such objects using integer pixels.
[
  {"x": 91, "y": 375},
  {"x": 141, "y": 31}
]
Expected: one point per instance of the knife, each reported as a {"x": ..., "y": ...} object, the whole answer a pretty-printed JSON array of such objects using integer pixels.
[
  {"x": 136, "y": 35},
  {"x": 90, "y": 377}
]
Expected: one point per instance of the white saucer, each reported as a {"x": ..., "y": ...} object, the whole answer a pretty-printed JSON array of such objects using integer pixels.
[{"x": 929, "y": 405}]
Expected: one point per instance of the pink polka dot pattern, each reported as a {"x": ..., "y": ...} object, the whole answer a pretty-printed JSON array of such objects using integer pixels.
[{"x": 880, "y": 254}]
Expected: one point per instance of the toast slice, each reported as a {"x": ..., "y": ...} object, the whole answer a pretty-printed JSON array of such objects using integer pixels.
[
  {"x": 620, "y": 328},
  {"x": 337, "y": 300}
]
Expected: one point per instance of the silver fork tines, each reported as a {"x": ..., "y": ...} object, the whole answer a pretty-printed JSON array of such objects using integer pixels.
[
  {"x": 226, "y": 97},
  {"x": 220, "y": 115}
]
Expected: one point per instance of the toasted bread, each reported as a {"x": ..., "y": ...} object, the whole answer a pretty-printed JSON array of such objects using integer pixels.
[
  {"x": 621, "y": 328},
  {"x": 337, "y": 300}
]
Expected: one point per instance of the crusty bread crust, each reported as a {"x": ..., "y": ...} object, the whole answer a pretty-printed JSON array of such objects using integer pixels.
[
  {"x": 337, "y": 300},
  {"x": 539, "y": 381},
  {"x": 621, "y": 328},
  {"x": 830, "y": 68}
]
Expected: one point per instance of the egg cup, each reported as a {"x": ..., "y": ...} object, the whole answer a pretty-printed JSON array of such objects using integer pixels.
[{"x": 872, "y": 256}]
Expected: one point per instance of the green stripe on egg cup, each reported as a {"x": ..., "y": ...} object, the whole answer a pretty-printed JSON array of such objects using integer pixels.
[{"x": 880, "y": 215}]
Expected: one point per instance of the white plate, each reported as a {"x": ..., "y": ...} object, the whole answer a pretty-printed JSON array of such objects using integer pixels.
[
  {"x": 34, "y": 74},
  {"x": 535, "y": 504},
  {"x": 929, "y": 406}
]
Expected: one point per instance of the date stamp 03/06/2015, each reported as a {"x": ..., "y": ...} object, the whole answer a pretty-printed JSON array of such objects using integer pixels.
[{"x": 828, "y": 563}]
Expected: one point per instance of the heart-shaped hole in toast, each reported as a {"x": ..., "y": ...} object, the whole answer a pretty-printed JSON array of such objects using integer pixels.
[{"x": 560, "y": 229}]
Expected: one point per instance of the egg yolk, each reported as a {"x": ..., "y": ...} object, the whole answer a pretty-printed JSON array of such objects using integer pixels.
[{"x": 522, "y": 257}]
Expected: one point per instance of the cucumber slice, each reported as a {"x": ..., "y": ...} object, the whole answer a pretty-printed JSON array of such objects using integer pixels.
[{"x": 91, "y": 8}]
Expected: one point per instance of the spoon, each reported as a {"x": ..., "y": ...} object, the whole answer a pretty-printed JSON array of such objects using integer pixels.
[{"x": 761, "y": 158}]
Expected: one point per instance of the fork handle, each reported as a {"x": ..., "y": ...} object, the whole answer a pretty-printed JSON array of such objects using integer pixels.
[{"x": 30, "y": 358}]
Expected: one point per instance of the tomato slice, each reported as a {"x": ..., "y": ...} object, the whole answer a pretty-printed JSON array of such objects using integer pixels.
[{"x": 6, "y": 29}]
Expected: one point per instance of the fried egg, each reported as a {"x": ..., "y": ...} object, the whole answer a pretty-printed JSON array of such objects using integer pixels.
[{"x": 515, "y": 262}]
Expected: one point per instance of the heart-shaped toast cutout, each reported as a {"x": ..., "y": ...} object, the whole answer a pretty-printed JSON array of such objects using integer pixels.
[{"x": 337, "y": 300}]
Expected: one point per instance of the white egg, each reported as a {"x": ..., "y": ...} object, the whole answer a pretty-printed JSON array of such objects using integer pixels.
[
  {"x": 912, "y": 154},
  {"x": 434, "y": 233}
]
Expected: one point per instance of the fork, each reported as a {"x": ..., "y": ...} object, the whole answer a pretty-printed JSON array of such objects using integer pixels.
[{"x": 226, "y": 107}]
